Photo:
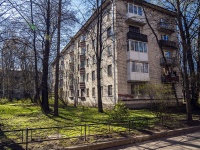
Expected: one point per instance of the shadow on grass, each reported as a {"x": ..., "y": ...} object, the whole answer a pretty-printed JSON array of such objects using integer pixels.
[{"x": 7, "y": 143}]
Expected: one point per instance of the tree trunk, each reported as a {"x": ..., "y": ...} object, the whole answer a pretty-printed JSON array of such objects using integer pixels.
[
  {"x": 45, "y": 102},
  {"x": 185, "y": 68},
  {"x": 99, "y": 49},
  {"x": 36, "y": 97},
  {"x": 57, "y": 60}
]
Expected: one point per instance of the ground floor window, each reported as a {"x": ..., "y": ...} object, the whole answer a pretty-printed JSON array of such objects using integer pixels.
[
  {"x": 82, "y": 92},
  {"x": 136, "y": 89},
  {"x": 109, "y": 90}
]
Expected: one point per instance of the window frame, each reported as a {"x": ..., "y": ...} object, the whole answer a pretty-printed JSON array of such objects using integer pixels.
[{"x": 110, "y": 93}]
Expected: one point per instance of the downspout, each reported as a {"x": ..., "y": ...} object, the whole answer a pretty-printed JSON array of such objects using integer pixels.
[{"x": 114, "y": 62}]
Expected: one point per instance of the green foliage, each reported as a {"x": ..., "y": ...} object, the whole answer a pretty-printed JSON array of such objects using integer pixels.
[
  {"x": 119, "y": 113},
  {"x": 160, "y": 95},
  {"x": 4, "y": 101}
]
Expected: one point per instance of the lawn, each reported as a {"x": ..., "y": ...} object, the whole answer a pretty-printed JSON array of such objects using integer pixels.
[{"x": 21, "y": 115}]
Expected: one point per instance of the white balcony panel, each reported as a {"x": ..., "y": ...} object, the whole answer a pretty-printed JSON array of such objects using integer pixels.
[
  {"x": 136, "y": 18},
  {"x": 140, "y": 56}
]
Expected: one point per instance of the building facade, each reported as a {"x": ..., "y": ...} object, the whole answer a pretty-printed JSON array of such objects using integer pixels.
[{"x": 139, "y": 43}]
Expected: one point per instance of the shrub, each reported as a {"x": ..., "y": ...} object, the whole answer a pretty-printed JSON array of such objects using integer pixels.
[
  {"x": 4, "y": 101},
  {"x": 119, "y": 113}
]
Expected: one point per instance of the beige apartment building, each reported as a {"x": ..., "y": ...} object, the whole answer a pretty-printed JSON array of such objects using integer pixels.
[{"x": 135, "y": 37}]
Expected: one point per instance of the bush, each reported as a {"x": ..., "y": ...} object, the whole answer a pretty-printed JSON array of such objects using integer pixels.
[
  {"x": 4, "y": 101},
  {"x": 119, "y": 113}
]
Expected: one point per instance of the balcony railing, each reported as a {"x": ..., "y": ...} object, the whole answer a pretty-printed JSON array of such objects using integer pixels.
[
  {"x": 82, "y": 57},
  {"x": 71, "y": 87},
  {"x": 137, "y": 36},
  {"x": 82, "y": 44},
  {"x": 165, "y": 27},
  {"x": 170, "y": 61},
  {"x": 170, "y": 44},
  {"x": 169, "y": 79},
  {"x": 82, "y": 85},
  {"x": 82, "y": 70}
]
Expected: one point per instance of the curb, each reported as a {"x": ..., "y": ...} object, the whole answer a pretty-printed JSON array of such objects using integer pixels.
[{"x": 133, "y": 140}]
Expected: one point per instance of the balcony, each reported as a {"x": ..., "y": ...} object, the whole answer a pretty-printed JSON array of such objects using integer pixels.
[
  {"x": 71, "y": 87},
  {"x": 82, "y": 85},
  {"x": 169, "y": 79},
  {"x": 82, "y": 44},
  {"x": 82, "y": 57},
  {"x": 168, "y": 44},
  {"x": 135, "y": 19},
  {"x": 137, "y": 36},
  {"x": 71, "y": 53},
  {"x": 171, "y": 61},
  {"x": 166, "y": 28},
  {"x": 82, "y": 70}
]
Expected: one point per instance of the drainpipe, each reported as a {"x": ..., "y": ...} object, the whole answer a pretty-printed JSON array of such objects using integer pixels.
[{"x": 114, "y": 62}]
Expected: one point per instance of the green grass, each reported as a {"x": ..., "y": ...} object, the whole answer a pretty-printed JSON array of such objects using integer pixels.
[{"x": 20, "y": 116}]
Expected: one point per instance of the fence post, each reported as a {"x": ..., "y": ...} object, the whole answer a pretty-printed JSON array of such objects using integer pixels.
[
  {"x": 26, "y": 138},
  {"x": 85, "y": 132}
]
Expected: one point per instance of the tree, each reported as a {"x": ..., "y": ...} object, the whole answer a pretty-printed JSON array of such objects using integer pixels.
[{"x": 57, "y": 59}]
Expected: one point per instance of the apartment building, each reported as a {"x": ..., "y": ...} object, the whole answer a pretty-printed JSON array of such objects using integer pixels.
[{"x": 139, "y": 45}]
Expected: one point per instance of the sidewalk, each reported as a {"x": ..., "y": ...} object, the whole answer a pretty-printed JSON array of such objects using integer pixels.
[{"x": 136, "y": 139}]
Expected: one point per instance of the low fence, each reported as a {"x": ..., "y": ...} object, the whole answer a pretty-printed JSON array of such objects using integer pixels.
[{"x": 83, "y": 132}]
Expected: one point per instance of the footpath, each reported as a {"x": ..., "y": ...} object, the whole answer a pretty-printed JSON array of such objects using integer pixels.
[{"x": 135, "y": 139}]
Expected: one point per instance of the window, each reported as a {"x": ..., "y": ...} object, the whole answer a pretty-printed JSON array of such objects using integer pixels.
[
  {"x": 165, "y": 37},
  {"x": 83, "y": 51},
  {"x": 138, "y": 46},
  {"x": 87, "y": 77},
  {"x": 109, "y": 51},
  {"x": 94, "y": 59},
  {"x": 100, "y": 72},
  {"x": 87, "y": 92},
  {"x": 101, "y": 90},
  {"x": 93, "y": 75},
  {"x": 167, "y": 54},
  {"x": 93, "y": 92},
  {"x": 87, "y": 61},
  {"x": 146, "y": 67},
  {"x": 130, "y": 8},
  {"x": 140, "y": 67},
  {"x": 109, "y": 70},
  {"x": 82, "y": 92},
  {"x": 134, "y": 29},
  {"x": 163, "y": 23},
  {"x": 108, "y": 15},
  {"x": 109, "y": 32},
  {"x": 71, "y": 93},
  {"x": 137, "y": 10},
  {"x": 109, "y": 90},
  {"x": 87, "y": 47},
  {"x": 140, "y": 11},
  {"x": 83, "y": 37},
  {"x": 82, "y": 64},
  {"x": 93, "y": 44},
  {"x": 77, "y": 92},
  {"x": 82, "y": 78}
]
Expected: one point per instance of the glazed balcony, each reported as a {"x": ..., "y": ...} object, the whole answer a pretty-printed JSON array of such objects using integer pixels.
[
  {"x": 137, "y": 36},
  {"x": 169, "y": 79},
  {"x": 82, "y": 85},
  {"x": 166, "y": 28},
  {"x": 171, "y": 61},
  {"x": 168, "y": 44}
]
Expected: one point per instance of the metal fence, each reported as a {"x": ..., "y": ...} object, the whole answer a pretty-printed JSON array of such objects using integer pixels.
[{"x": 84, "y": 132}]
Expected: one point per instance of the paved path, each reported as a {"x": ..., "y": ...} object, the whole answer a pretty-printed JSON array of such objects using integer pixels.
[{"x": 184, "y": 142}]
